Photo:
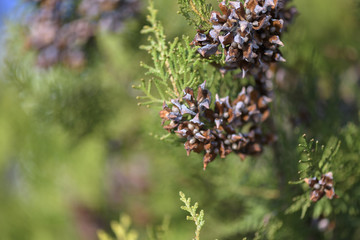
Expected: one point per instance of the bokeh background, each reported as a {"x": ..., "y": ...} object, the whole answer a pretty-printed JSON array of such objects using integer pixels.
[{"x": 76, "y": 150}]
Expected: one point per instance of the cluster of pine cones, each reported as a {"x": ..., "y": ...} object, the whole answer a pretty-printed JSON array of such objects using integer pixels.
[
  {"x": 59, "y": 30},
  {"x": 249, "y": 34},
  {"x": 217, "y": 131}
]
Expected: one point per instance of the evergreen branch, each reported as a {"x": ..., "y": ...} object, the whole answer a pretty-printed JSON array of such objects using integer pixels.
[
  {"x": 300, "y": 202},
  {"x": 171, "y": 78},
  {"x": 175, "y": 65},
  {"x": 198, "y": 218},
  {"x": 315, "y": 161},
  {"x": 196, "y": 12},
  {"x": 193, "y": 7}
]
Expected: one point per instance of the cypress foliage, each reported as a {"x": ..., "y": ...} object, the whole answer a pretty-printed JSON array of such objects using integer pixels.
[{"x": 76, "y": 150}]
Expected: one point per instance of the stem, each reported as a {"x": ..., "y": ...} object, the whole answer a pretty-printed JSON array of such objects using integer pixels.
[
  {"x": 172, "y": 80},
  {"x": 194, "y": 216}
]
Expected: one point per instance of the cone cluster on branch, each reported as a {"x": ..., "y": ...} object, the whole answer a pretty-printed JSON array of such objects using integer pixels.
[
  {"x": 59, "y": 30},
  {"x": 218, "y": 131},
  {"x": 249, "y": 33},
  {"x": 322, "y": 187}
]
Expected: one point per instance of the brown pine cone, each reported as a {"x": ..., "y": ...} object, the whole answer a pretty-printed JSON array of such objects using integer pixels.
[
  {"x": 324, "y": 186},
  {"x": 59, "y": 30},
  {"x": 217, "y": 132},
  {"x": 249, "y": 33},
  {"x": 110, "y": 14}
]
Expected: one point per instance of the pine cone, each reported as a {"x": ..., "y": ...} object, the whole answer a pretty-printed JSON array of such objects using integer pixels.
[
  {"x": 324, "y": 186},
  {"x": 217, "y": 132},
  {"x": 249, "y": 33},
  {"x": 110, "y": 14},
  {"x": 61, "y": 29}
]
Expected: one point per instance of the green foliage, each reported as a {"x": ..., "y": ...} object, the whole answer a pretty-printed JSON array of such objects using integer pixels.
[
  {"x": 55, "y": 129},
  {"x": 196, "y": 12},
  {"x": 44, "y": 172},
  {"x": 161, "y": 231},
  {"x": 59, "y": 94},
  {"x": 198, "y": 218},
  {"x": 121, "y": 229},
  {"x": 176, "y": 65},
  {"x": 269, "y": 228},
  {"x": 347, "y": 170},
  {"x": 315, "y": 159},
  {"x": 300, "y": 202}
]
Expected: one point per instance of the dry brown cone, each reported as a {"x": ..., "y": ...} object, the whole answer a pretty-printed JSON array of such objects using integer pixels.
[
  {"x": 322, "y": 187},
  {"x": 217, "y": 131},
  {"x": 109, "y": 14},
  {"x": 249, "y": 34},
  {"x": 59, "y": 30}
]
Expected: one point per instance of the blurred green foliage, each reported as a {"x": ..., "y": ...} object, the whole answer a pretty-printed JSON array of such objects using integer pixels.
[
  {"x": 76, "y": 150},
  {"x": 121, "y": 230}
]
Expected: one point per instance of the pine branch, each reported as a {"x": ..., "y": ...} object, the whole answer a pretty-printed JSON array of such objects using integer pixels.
[
  {"x": 196, "y": 12},
  {"x": 315, "y": 161},
  {"x": 300, "y": 202},
  {"x": 175, "y": 65},
  {"x": 198, "y": 218}
]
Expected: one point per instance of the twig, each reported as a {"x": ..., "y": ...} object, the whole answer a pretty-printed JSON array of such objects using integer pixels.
[
  {"x": 172, "y": 80},
  {"x": 198, "y": 13}
]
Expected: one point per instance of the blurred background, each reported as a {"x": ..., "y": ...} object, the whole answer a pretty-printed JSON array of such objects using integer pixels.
[{"x": 76, "y": 150}]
